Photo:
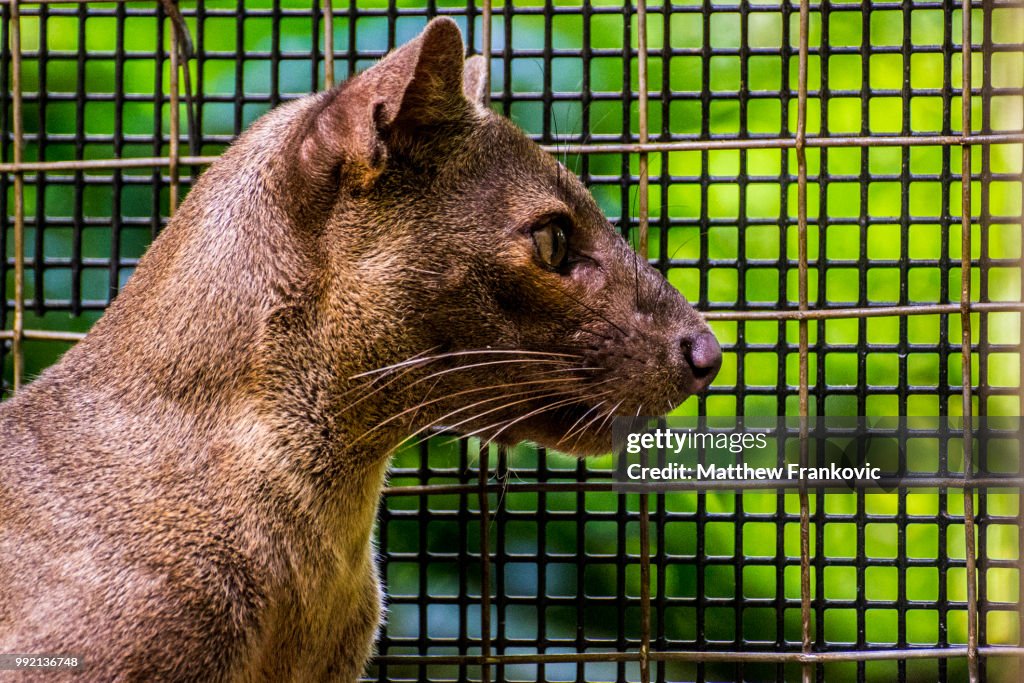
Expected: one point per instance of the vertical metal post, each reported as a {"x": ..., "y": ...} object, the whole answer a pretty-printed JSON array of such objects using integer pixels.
[
  {"x": 1020, "y": 508},
  {"x": 485, "y": 511},
  {"x": 19, "y": 199},
  {"x": 641, "y": 20},
  {"x": 485, "y": 564},
  {"x": 965, "y": 339},
  {"x": 175, "y": 143},
  {"x": 485, "y": 48},
  {"x": 801, "y": 160},
  {"x": 328, "y": 8},
  {"x": 644, "y": 224}
]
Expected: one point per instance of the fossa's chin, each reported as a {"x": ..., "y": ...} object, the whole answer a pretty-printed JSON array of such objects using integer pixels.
[{"x": 579, "y": 430}]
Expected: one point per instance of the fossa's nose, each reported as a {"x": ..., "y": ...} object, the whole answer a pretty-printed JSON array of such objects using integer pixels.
[{"x": 704, "y": 355}]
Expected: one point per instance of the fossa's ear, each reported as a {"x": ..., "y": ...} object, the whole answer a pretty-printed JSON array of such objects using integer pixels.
[
  {"x": 418, "y": 84},
  {"x": 474, "y": 80}
]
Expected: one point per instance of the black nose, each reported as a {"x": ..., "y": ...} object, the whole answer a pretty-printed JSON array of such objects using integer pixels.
[{"x": 704, "y": 356}]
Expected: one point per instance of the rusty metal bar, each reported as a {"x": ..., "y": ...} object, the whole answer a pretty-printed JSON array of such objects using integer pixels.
[
  {"x": 684, "y": 485},
  {"x": 60, "y": 2},
  {"x": 807, "y": 670},
  {"x": 101, "y": 164},
  {"x": 485, "y": 47},
  {"x": 865, "y": 311},
  {"x": 704, "y": 656},
  {"x": 174, "y": 158},
  {"x": 965, "y": 348},
  {"x": 643, "y": 190},
  {"x": 64, "y": 2},
  {"x": 597, "y": 148},
  {"x": 812, "y": 314},
  {"x": 182, "y": 50},
  {"x": 787, "y": 143},
  {"x": 46, "y": 335},
  {"x": 1015, "y": 4},
  {"x": 328, "y": 9},
  {"x": 19, "y": 198},
  {"x": 1020, "y": 409},
  {"x": 644, "y": 126},
  {"x": 483, "y": 491}
]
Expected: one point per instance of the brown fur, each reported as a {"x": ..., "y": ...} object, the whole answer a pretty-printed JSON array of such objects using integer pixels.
[{"x": 190, "y": 493}]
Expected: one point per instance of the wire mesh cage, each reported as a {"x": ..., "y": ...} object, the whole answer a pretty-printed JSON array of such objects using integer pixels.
[{"x": 798, "y": 169}]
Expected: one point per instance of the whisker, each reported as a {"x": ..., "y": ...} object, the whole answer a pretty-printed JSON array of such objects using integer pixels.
[
  {"x": 426, "y": 394},
  {"x": 476, "y": 390},
  {"x": 591, "y": 310},
  {"x": 367, "y": 385},
  {"x": 583, "y": 430},
  {"x": 468, "y": 352},
  {"x": 568, "y": 432},
  {"x": 434, "y": 375},
  {"x": 593, "y": 396},
  {"x": 507, "y": 405},
  {"x": 611, "y": 413},
  {"x": 439, "y": 420},
  {"x": 558, "y": 370},
  {"x": 383, "y": 386},
  {"x": 504, "y": 486},
  {"x": 593, "y": 333},
  {"x": 552, "y": 406},
  {"x": 600, "y": 424},
  {"x": 471, "y": 366}
]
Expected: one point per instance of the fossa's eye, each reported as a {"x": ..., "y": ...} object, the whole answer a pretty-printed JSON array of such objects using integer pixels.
[{"x": 551, "y": 245}]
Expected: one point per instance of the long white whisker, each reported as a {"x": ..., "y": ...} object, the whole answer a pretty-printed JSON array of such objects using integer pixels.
[
  {"x": 477, "y": 390},
  {"x": 569, "y": 431},
  {"x": 464, "y": 408},
  {"x": 541, "y": 410},
  {"x": 383, "y": 386},
  {"x": 469, "y": 352},
  {"x": 415, "y": 358},
  {"x": 367, "y": 385},
  {"x": 611, "y": 413},
  {"x": 552, "y": 406},
  {"x": 472, "y": 366},
  {"x": 571, "y": 369},
  {"x": 438, "y": 374},
  {"x": 501, "y": 407},
  {"x": 583, "y": 430}
]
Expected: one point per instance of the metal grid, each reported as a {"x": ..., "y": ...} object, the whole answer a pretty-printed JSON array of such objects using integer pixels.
[{"x": 478, "y": 496}]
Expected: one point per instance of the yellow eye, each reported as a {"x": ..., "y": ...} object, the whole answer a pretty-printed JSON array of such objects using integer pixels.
[{"x": 551, "y": 244}]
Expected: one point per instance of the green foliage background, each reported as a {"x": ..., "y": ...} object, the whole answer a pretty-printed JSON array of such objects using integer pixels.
[{"x": 714, "y": 216}]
